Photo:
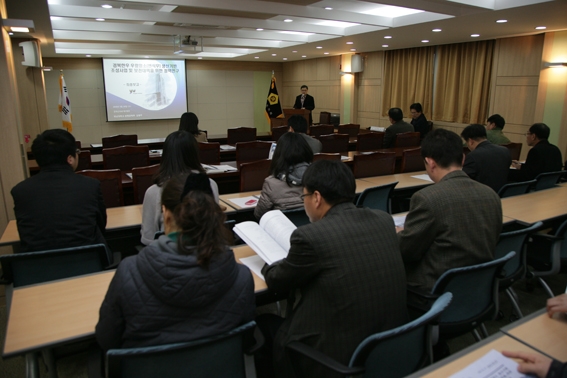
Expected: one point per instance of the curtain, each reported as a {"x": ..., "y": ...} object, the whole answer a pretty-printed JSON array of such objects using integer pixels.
[
  {"x": 408, "y": 78},
  {"x": 462, "y": 82}
]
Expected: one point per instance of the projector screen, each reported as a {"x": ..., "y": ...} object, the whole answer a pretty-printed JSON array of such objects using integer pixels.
[{"x": 138, "y": 89}]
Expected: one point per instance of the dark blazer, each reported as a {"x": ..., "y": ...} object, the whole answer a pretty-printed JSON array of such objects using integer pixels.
[
  {"x": 393, "y": 129},
  {"x": 420, "y": 125},
  {"x": 57, "y": 208},
  {"x": 451, "y": 224},
  {"x": 308, "y": 103},
  {"x": 488, "y": 164},
  {"x": 543, "y": 157},
  {"x": 348, "y": 269}
]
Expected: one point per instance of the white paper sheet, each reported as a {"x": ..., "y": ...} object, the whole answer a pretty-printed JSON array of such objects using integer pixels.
[
  {"x": 399, "y": 220},
  {"x": 245, "y": 202},
  {"x": 255, "y": 264},
  {"x": 227, "y": 147},
  {"x": 423, "y": 177},
  {"x": 491, "y": 365}
]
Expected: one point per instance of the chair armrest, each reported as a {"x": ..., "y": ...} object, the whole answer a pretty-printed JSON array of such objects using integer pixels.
[
  {"x": 323, "y": 359},
  {"x": 420, "y": 300}
]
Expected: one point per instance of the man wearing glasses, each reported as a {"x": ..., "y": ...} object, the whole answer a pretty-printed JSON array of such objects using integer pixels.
[
  {"x": 57, "y": 208},
  {"x": 346, "y": 266},
  {"x": 543, "y": 157}
]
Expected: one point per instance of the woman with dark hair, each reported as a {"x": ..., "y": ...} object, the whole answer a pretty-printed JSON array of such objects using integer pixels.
[
  {"x": 185, "y": 286},
  {"x": 283, "y": 188},
  {"x": 190, "y": 123},
  {"x": 180, "y": 155}
]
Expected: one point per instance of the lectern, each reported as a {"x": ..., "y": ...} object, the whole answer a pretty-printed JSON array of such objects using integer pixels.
[{"x": 275, "y": 122}]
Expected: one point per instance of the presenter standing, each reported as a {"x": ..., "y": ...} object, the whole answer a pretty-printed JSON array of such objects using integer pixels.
[{"x": 305, "y": 101}]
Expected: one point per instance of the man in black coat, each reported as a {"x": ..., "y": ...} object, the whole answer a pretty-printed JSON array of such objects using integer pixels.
[
  {"x": 418, "y": 120},
  {"x": 305, "y": 101},
  {"x": 57, "y": 208},
  {"x": 487, "y": 163},
  {"x": 543, "y": 157}
]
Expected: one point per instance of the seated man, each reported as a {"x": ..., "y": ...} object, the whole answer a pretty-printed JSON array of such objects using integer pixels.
[
  {"x": 298, "y": 124},
  {"x": 397, "y": 126},
  {"x": 543, "y": 157},
  {"x": 57, "y": 208},
  {"x": 494, "y": 126},
  {"x": 487, "y": 163},
  {"x": 451, "y": 224},
  {"x": 418, "y": 120},
  {"x": 347, "y": 267}
]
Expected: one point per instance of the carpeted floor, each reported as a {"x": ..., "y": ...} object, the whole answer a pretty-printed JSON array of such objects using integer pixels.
[{"x": 75, "y": 365}]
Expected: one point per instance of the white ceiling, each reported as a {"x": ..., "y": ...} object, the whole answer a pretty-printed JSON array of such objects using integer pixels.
[{"x": 228, "y": 28}]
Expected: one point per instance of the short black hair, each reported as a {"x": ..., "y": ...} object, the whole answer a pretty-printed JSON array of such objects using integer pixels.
[
  {"x": 297, "y": 123},
  {"x": 304, "y": 86},
  {"x": 417, "y": 107},
  {"x": 333, "y": 179},
  {"x": 541, "y": 131},
  {"x": 53, "y": 147},
  {"x": 396, "y": 114},
  {"x": 443, "y": 146},
  {"x": 497, "y": 119},
  {"x": 475, "y": 132}
]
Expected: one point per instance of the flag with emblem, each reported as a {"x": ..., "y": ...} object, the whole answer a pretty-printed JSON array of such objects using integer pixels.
[
  {"x": 65, "y": 105},
  {"x": 273, "y": 105}
]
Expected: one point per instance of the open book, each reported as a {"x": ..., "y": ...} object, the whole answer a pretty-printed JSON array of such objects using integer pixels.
[{"x": 270, "y": 238}]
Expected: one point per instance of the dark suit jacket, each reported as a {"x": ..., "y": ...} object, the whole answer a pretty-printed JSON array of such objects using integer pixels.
[
  {"x": 308, "y": 103},
  {"x": 349, "y": 271},
  {"x": 420, "y": 125},
  {"x": 57, "y": 208},
  {"x": 392, "y": 130},
  {"x": 451, "y": 224},
  {"x": 543, "y": 157},
  {"x": 488, "y": 164}
]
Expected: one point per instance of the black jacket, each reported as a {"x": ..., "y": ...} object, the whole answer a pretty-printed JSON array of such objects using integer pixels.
[
  {"x": 420, "y": 125},
  {"x": 543, "y": 157},
  {"x": 489, "y": 164},
  {"x": 57, "y": 208},
  {"x": 160, "y": 297}
]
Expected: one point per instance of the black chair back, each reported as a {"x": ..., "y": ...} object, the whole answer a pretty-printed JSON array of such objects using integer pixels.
[
  {"x": 377, "y": 198},
  {"x": 547, "y": 180},
  {"x": 241, "y": 134},
  {"x": 297, "y": 216},
  {"x": 515, "y": 188}
]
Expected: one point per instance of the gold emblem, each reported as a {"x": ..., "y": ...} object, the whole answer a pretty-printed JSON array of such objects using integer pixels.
[{"x": 273, "y": 98}]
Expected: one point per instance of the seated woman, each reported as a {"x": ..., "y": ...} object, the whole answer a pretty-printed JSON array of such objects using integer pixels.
[
  {"x": 190, "y": 123},
  {"x": 180, "y": 155},
  {"x": 283, "y": 189},
  {"x": 184, "y": 286}
]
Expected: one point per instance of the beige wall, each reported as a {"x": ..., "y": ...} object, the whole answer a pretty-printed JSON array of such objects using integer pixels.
[{"x": 220, "y": 93}]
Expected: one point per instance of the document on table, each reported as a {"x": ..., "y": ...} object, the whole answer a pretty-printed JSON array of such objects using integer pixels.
[
  {"x": 245, "y": 202},
  {"x": 255, "y": 264},
  {"x": 491, "y": 365},
  {"x": 227, "y": 147},
  {"x": 399, "y": 220},
  {"x": 219, "y": 168},
  {"x": 423, "y": 177},
  {"x": 129, "y": 174}
]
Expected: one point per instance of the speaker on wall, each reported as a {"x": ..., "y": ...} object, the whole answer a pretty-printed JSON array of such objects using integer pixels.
[
  {"x": 31, "y": 53},
  {"x": 356, "y": 63}
]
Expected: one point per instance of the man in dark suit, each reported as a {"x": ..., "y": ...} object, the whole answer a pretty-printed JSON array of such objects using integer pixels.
[
  {"x": 298, "y": 124},
  {"x": 57, "y": 208},
  {"x": 487, "y": 163},
  {"x": 451, "y": 224},
  {"x": 398, "y": 125},
  {"x": 347, "y": 267},
  {"x": 543, "y": 157},
  {"x": 305, "y": 101},
  {"x": 418, "y": 120}
]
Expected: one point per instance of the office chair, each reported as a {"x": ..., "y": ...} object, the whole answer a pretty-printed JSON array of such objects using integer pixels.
[
  {"x": 297, "y": 216},
  {"x": 370, "y": 164},
  {"x": 394, "y": 353},
  {"x": 351, "y": 129},
  {"x": 318, "y": 130},
  {"x": 377, "y": 198},
  {"x": 125, "y": 157},
  {"x": 278, "y": 131},
  {"x": 515, "y": 150},
  {"x": 475, "y": 297},
  {"x": 110, "y": 185},
  {"x": 252, "y": 151},
  {"x": 333, "y": 143},
  {"x": 515, "y": 269},
  {"x": 209, "y": 153},
  {"x": 547, "y": 180},
  {"x": 408, "y": 139},
  {"x": 412, "y": 161},
  {"x": 240, "y": 134},
  {"x": 214, "y": 356},
  {"x": 142, "y": 179},
  {"x": 515, "y": 188},
  {"x": 322, "y": 156},
  {"x": 120, "y": 140},
  {"x": 85, "y": 161},
  {"x": 369, "y": 141},
  {"x": 252, "y": 174}
]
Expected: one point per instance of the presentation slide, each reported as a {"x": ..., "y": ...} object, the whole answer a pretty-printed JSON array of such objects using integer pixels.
[{"x": 138, "y": 89}]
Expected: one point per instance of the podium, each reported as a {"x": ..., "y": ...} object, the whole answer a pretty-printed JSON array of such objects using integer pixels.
[{"x": 275, "y": 122}]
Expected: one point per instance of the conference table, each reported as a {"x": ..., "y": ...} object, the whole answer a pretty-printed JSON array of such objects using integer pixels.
[{"x": 544, "y": 205}]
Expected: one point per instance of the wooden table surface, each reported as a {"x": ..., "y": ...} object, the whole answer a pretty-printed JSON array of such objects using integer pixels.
[
  {"x": 225, "y": 198},
  {"x": 405, "y": 180},
  {"x": 548, "y": 335},
  {"x": 537, "y": 206}
]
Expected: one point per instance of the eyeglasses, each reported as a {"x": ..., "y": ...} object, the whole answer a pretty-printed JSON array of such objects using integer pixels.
[{"x": 305, "y": 195}]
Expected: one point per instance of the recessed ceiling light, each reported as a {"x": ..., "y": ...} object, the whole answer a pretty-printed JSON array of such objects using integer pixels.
[
  {"x": 425, "y": 40},
  {"x": 54, "y": 18},
  {"x": 199, "y": 57},
  {"x": 337, "y": 24},
  {"x": 387, "y": 36},
  {"x": 294, "y": 51},
  {"x": 19, "y": 29},
  {"x": 319, "y": 47},
  {"x": 352, "y": 49},
  {"x": 325, "y": 53},
  {"x": 350, "y": 43},
  {"x": 146, "y": 57},
  {"x": 288, "y": 20},
  {"x": 501, "y": 21},
  {"x": 304, "y": 56},
  {"x": 475, "y": 35},
  {"x": 385, "y": 45},
  {"x": 88, "y": 55},
  {"x": 256, "y": 57},
  {"x": 328, "y": 8},
  {"x": 274, "y": 54},
  {"x": 541, "y": 27},
  {"x": 99, "y": 19},
  {"x": 391, "y": 11},
  {"x": 284, "y": 58},
  {"x": 436, "y": 30},
  {"x": 259, "y": 29},
  {"x": 107, "y": 6},
  {"x": 10, "y": 33}
]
